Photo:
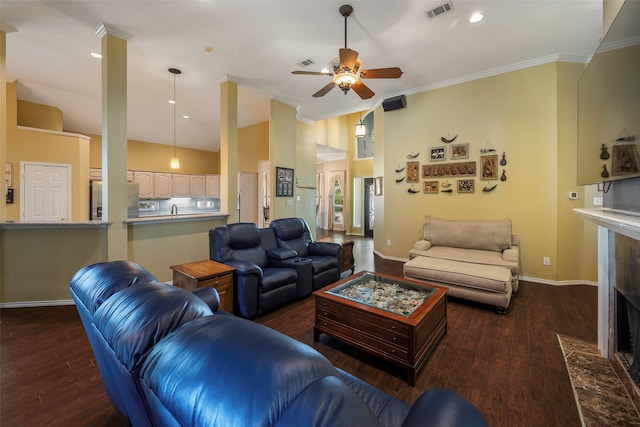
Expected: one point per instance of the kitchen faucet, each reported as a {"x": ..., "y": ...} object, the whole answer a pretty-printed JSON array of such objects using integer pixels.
[{"x": 173, "y": 206}]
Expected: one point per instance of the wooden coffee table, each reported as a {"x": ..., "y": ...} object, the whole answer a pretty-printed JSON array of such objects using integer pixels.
[{"x": 404, "y": 332}]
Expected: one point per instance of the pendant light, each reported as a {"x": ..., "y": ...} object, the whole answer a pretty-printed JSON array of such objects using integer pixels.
[
  {"x": 175, "y": 162},
  {"x": 361, "y": 129}
]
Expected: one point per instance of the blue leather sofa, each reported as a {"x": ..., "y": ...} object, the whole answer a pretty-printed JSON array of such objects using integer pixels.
[
  {"x": 170, "y": 358},
  {"x": 274, "y": 265}
]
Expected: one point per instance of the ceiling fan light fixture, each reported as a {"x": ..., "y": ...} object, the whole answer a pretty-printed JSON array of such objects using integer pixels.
[{"x": 345, "y": 80}]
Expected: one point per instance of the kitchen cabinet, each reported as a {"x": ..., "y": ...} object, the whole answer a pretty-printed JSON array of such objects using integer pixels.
[
  {"x": 180, "y": 185},
  {"x": 162, "y": 185},
  {"x": 95, "y": 174},
  {"x": 145, "y": 183},
  {"x": 213, "y": 185},
  {"x": 197, "y": 185}
]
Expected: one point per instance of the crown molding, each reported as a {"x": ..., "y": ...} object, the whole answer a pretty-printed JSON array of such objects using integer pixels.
[
  {"x": 7, "y": 28},
  {"x": 104, "y": 29}
]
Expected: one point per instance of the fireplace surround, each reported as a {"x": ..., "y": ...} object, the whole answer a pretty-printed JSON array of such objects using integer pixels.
[{"x": 619, "y": 280}]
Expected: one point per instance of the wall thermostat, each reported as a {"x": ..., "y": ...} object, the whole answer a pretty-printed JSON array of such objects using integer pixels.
[{"x": 573, "y": 195}]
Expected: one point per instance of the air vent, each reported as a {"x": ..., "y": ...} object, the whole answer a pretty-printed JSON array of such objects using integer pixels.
[
  {"x": 306, "y": 62},
  {"x": 440, "y": 10}
]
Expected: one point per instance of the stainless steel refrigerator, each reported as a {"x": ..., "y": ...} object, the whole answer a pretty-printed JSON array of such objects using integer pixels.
[{"x": 95, "y": 196}]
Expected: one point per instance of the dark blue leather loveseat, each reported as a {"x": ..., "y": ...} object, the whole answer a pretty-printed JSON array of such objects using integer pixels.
[
  {"x": 168, "y": 357},
  {"x": 274, "y": 265}
]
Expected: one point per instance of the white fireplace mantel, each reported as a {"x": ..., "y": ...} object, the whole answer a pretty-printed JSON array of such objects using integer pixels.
[
  {"x": 609, "y": 221},
  {"x": 623, "y": 223}
]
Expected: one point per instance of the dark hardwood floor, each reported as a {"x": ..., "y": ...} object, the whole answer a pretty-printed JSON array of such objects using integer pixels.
[{"x": 510, "y": 366}]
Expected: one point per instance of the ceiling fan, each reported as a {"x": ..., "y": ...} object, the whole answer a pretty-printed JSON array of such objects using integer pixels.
[{"x": 347, "y": 69}]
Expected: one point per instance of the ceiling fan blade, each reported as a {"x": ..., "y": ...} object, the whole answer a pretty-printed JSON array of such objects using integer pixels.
[
  {"x": 312, "y": 73},
  {"x": 348, "y": 58},
  {"x": 362, "y": 90},
  {"x": 381, "y": 73},
  {"x": 324, "y": 90}
]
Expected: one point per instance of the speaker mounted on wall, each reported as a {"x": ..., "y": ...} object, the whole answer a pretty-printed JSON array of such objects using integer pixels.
[{"x": 395, "y": 103}]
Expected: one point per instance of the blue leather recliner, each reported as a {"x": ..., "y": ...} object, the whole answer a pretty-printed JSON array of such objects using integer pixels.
[
  {"x": 325, "y": 257},
  {"x": 176, "y": 363},
  {"x": 260, "y": 286}
]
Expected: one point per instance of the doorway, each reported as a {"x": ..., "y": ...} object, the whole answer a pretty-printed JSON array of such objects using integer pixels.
[
  {"x": 45, "y": 192},
  {"x": 369, "y": 209},
  {"x": 247, "y": 197}
]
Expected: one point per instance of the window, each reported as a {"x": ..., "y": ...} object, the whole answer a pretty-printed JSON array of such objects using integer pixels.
[
  {"x": 364, "y": 145},
  {"x": 357, "y": 201}
]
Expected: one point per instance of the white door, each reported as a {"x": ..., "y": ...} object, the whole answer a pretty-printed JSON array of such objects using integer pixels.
[
  {"x": 248, "y": 197},
  {"x": 45, "y": 192}
]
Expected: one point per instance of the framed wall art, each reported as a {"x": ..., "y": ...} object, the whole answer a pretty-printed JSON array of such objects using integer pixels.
[
  {"x": 284, "y": 182},
  {"x": 459, "y": 151},
  {"x": 430, "y": 187},
  {"x": 489, "y": 166},
  {"x": 412, "y": 171},
  {"x": 437, "y": 153},
  {"x": 466, "y": 185},
  {"x": 625, "y": 160}
]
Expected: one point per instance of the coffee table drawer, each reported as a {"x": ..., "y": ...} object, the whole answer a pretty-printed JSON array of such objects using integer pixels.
[
  {"x": 356, "y": 320},
  {"x": 380, "y": 322},
  {"x": 364, "y": 341}
]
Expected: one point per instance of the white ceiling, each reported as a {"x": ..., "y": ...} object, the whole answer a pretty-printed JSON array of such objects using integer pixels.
[{"x": 258, "y": 43}]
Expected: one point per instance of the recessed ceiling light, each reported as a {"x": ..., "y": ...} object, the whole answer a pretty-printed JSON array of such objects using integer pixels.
[
  {"x": 185, "y": 117},
  {"x": 96, "y": 55},
  {"x": 476, "y": 17},
  {"x": 171, "y": 101}
]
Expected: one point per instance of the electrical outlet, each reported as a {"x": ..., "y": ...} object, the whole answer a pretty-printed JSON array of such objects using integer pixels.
[
  {"x": 546, "y": 260},
  {"x": 597, "y": 201},
  {"x": 389, "y": 242}
]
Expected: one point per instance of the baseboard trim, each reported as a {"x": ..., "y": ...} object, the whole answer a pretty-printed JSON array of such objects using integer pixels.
[
  {"x": 558, "y": 282},
  {"x": 524, "y": 278},
  {"x": 25, "y": 304},
  {"x": 390, "y": 258}
]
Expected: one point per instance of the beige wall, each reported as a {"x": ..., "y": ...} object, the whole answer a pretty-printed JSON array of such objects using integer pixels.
[
  {"x": 38, "y": 264},
  {"x": 32, "y": 145},
  {"x": 253, "y": 146},
  {"x": 518, "y": 113},
  {"x": 159, "y": 246},
  {"x": 282, "y": 153},
  {"x": 39, "y": 116},
  {"x": 147, "y": 156}
]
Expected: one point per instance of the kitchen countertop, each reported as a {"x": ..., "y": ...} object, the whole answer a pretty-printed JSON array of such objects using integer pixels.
[
  {"x": 61, "y": 224},
  {"x": 93, "y": 224},
  {"x": 173, "y": 218}
]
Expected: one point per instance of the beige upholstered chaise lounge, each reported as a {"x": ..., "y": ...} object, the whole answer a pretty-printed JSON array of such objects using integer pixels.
[{"x": 476, "y": 260}]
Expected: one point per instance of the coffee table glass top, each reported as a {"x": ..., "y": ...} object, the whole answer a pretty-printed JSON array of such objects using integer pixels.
[{"x": 384, "y": 293}]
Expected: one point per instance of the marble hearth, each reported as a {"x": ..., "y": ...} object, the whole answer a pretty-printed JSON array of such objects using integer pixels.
[{"x": 611, "y": 222}]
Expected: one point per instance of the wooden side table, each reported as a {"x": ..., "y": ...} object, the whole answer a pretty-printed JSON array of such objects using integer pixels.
[
  {"x": 348, "y": 262},
  {"x": 200, "y": 274}
]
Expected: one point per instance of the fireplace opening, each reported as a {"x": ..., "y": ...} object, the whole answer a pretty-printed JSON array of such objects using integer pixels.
[
  {"x": 627, "y": 305},
  {"x": 628, "y": 336}
]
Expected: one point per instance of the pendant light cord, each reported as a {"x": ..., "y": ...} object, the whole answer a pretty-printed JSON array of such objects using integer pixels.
[{"x": 174, "y": 115}]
